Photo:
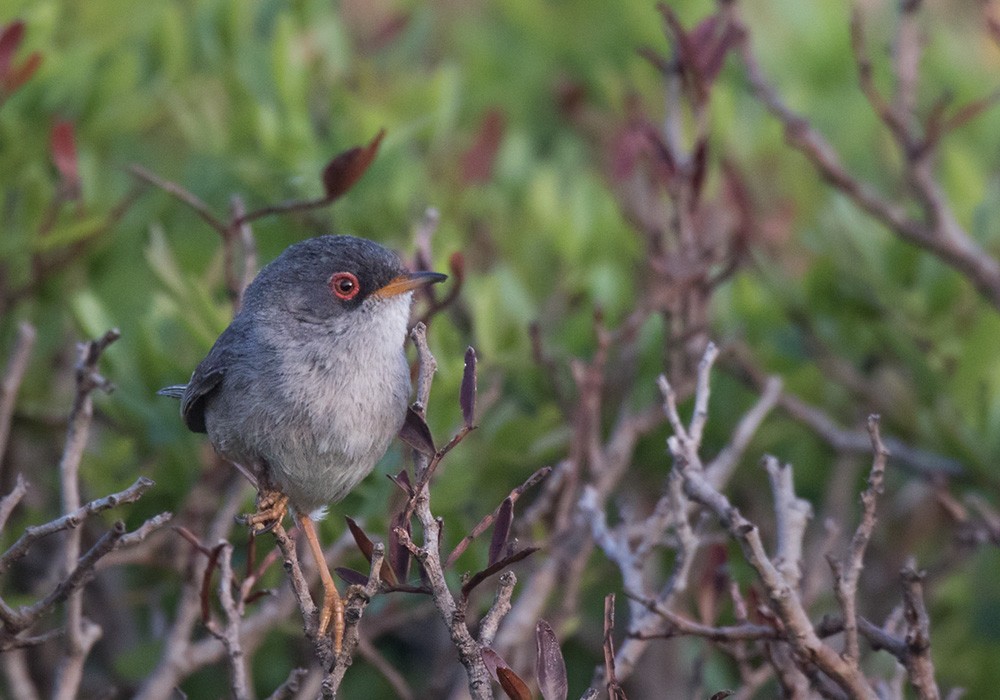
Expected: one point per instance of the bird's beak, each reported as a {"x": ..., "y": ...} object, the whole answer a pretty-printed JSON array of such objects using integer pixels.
[{"x": 408, "y": 281}]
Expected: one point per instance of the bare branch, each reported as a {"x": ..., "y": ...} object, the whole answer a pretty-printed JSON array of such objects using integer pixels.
[
  {"x": 798, "y": 628},
  {"x": 919, "y": 665},
  {"x": 183, "y": 195},
  {"x": 287, "y": 690},
  {"x": 720, "y": 469},
  {"x": 9, "y": 502},
  {"x": 229, "y": 634},
  {"x": 501, "y": 606},
  {"x": 678, "y": 624},
  {"x": 72, "y": 520},
  {"x": 847, "y": 571},
  {"x": 614, "y": 689},
  {"x": 358, "y": 598},
  {"x": 792, "y": 515},
  {"x": 13, "y": 375},
  {"x": 939, "y": 231}
]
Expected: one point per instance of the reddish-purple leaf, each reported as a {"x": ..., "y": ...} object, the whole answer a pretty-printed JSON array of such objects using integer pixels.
[
  {"x": 352, "y": 577},
  {"x": 710, "y": 43},
  {"x": 550, "y": 668},
  {"x": 13, "y": 79},
  {"x": 501, "y": 529},
  {"x": 416, "y": 434},
  {"x": 467, "y": 396},
  {"x": 213, "y": 560},
  {"x": 402, "y": 480},
  {"x": 663, "y": 161},
  {"x": 399, "y": 555},
  {"x": 367, "y": 547},
  {"x": 700, "y": 158},
  {"x": 360, "y": 538},
  {"x": 492, "y": 661},
  {"x": 712, "y": 583},
  {"x": 512, "y": 684},
  {"x": 477, "y": 162},
  {"x": 625, "y": 151},
  {"x": 10, "y": 39},
  {"x": 456, "y": 265},
  {"x": 515, "y": 688},
  {"x": 63, "y": 147},
  {"x": 346, "y": 168},
  {"x": 390, "y": 30}
]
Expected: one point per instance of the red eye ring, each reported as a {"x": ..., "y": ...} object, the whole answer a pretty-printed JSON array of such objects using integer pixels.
[{"x": 345, "y": 285}]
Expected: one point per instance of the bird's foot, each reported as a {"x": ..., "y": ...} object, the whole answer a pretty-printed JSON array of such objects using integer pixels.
[
  {"x": 271, "y": 509},
  {"x": 333, "y": 606},
  {"x": 332, "y": 611}
]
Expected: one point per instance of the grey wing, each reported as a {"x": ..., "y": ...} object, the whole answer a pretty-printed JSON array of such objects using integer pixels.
[
  {"x": 193, "y": 394},
  {"x": 205, "y": 380}
]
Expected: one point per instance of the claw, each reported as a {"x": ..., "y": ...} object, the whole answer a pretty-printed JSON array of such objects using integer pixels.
[{"x": 271, "y": 509}]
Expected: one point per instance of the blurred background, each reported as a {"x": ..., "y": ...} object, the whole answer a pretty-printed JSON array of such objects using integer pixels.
[{"x": 506, "y": 116}]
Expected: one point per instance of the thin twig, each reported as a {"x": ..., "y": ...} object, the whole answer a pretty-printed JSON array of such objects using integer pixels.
[
  {"x": 919, "y": 665},
  {"x": 501, "y": 606},
  {"x": 183, "y": 195},
  {"x": 72, "y": 520},
  {"x": 614, "y": 689},
  {"x": 9, "y": 502},
  {"x": 17, "y": 365},
  {"x": 487, "y": 520},
  {"x": 229, "y": 633},
  {"x": 847, "y": 571}
]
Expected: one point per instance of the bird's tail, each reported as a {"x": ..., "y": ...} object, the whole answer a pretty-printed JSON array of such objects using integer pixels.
[{"x": 176, "y": 391}]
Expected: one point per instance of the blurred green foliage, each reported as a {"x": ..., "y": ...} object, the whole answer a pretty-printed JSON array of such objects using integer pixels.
[{"x": 253, "y": 97}]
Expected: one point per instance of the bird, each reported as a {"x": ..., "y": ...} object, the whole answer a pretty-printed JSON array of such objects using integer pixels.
[{"x": 305, "y": 389}]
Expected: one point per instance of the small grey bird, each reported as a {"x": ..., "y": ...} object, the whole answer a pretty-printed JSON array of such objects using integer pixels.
[{"x": 308, "y": 385}]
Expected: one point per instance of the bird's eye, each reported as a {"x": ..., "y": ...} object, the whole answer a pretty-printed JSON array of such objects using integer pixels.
[{"x": 344, "y": 285}]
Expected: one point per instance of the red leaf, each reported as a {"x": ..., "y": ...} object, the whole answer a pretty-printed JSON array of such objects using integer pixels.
[
  {"x": 346, "y": 168},
  {"x": 626, "y": 149},
  {"x": 477, "y": 162},
  {"x": 360, "y": 538},
  {"x": 367, "y": 547},
  {"x": 710, "y": 42},
  {"x": 550, "y": 668},
  {"x": 492, "y": 661},
  {"x": 416, "y": 434},
  {"x": 512, "y": 684},
  {"x": 14, "y": 79},
  {"x": 352, "y": 577},
  {"x": 399, "y": 555},
  {"x": 10, "y": 40},
  {"x": 700, "y": 158},
  {"x": 456, "y": 265},
  {"x": 63, "y": 146},
  {"x": 712, "y": 583},
  {"x": 501, "y": 529},
  {"x": 467, "y": 395},
  {"x": 402, "y": 480}
]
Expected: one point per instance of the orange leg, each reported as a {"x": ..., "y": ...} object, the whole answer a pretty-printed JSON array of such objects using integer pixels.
[{"x": 333, "y": 606}]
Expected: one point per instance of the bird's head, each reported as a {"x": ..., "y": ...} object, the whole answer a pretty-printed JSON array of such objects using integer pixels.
[{"x": 330, "y": 278}]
